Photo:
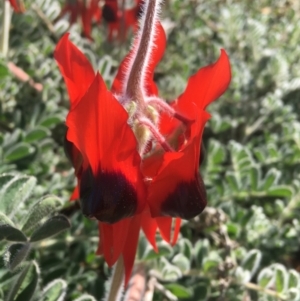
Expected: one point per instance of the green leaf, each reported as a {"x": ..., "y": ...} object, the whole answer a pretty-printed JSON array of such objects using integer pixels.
[
  {"x": 232, "y": 181},
  {"x": 36, "y": 134},
  {"x": 15, "y": 254},
  {"x": 201, "y": 250},
  {"x": 217, "y": 153},
  {"x": 15, "y": 192},
  {"x": 210, "y": 264},
  {"x": 3, "y": 71},
  {"x": 164, "y": 249},
  {"x": 18, "y": 152},
  {"x": 51, "y": 227},
  {"x": 271, "y": 178},
  {"x": 255, "y": 175},
  {"x": 233, "y": 229},
  {"x": 28, "y": 292},
  {"x": 17, "y": 284},
  {"x": 252, "y": 261},
  {"x": 40, "y": 210},
  {"x": 4, "y": 220},
  {"x": 294, "y": 279},
  {"x": 281, "y": 278},
  {"x": 171, "y": 273},
  {"x": 179, "y": 290},
  {"x": 265, "y": 277},
  {"x": 186, "y": 247},
  {"x": 280, "y": 191},
  {"x": 4, "y": 179},
  {"x": 182, "y": 262},
  {"x": 55, "y": 290},
  {"x": 51, "y": 121},
  {"x": 86, "y": 298},
  {"x": 201, "y": 292},
  {"x": 10, "y": 233}
]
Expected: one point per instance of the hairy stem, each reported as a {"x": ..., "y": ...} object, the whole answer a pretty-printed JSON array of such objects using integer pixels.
[{"x": 137, "y": 73}]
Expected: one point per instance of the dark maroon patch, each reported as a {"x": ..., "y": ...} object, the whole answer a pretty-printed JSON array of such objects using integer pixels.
[
  {"x": 187, "y": 201},
  {"x": 108, "y": 196},
  {"x": 108, "y": 14},
  {"x": 68, "y": 146}
]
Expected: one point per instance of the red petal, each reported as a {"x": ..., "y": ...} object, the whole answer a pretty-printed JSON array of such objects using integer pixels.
[
  {"x": 204, "y": 87},
  {"x": 176, "y": 231},
  {"x": 165, "y": 228},
  {"x": 157, "y": 53},
  {"x": 113, "y": 239},
  {"x": 177, "y": 190},
  {"x": 75, "y": 194},
  {"x": 208, "y": 83},
  {"x": 76, "y": 70},
  {"x": 131, "y": 246},
  {"x": 98, "y": 127},
  {"x": 86, "y": 19},
  {"x": 17, "y": 6},
  {"x": 149, "y": 227},
  {"x": 165, "y": 225}
]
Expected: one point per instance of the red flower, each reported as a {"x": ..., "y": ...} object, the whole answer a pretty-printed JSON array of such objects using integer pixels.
[
  {"x": 17, "y": 5},
  {"x": 136, "y": 157},
  {"x": 86, "y": 10},
  {"x": 120, "y": 19}
]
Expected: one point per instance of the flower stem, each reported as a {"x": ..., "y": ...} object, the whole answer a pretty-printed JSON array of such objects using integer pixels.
[
  {"x": 117, "y": 281},
  {"x": 6, "y": 17},
  {"x": 142, "y": 55}
]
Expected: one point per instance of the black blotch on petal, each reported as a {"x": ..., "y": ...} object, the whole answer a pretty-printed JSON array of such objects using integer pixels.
[
  {"x": 187, "y": 200},
  {"x": 107, "y": 196},
  {"x": 108, "y": 14}
]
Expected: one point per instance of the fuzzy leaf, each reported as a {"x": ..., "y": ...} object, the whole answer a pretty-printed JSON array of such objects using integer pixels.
[
  {"x": 15, "y": 192},
  {"x": 55, "y": 290},
  {"x": 10, "y": 233},
  {"x": 51, "y": 227},
  {"x": 86, "y": 298},
  {"x": 40, "y": 210},
  {"x": 28, "y": 292},
  {"x": 18, "y": 152},
  {"x": 17, "y": 284},
  {"x": 179, "y": 290},
  {"x": 252, "y": 261},
  {"x": 181, "y": 262},
  {"x": 281, "y": 278},
  {"x": 15, "y": 254},
  {"x": 280, "y": 191},
  {"x": 36, "y": 134}
]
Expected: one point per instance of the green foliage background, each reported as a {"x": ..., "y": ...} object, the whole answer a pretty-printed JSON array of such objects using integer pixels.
[{"x": 245, "y": 245}]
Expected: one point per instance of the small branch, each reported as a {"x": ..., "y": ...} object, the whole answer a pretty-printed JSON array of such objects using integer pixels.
[
  {"x": 269, "y": 292},
  {"x": 23, "y": 76},
  {"x": 44, "y": 18},
  {"x": 255, "y": 126}
]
